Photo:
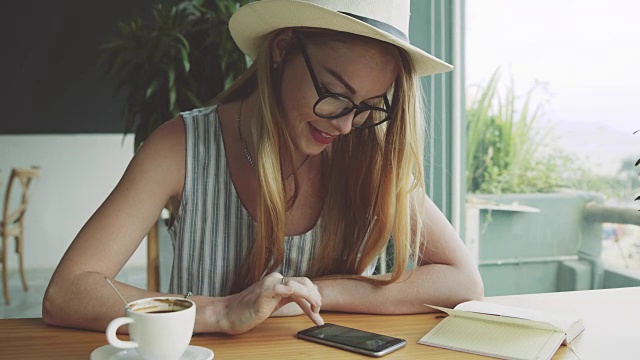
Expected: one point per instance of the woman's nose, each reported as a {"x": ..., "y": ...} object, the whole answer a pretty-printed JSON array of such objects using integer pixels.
[{"x": 344, "y": 124}]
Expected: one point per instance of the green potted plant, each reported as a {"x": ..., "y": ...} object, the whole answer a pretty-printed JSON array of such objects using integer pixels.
[
  {"x": 179, "y": 61},
  {"x": 505, "y": 143}
]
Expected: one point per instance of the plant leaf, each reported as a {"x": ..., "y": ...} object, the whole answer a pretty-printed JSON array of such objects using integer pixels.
[
  {"x": 152, "y": 89},
  {"x": 172, "y": 100},
  {"x": 185, "y": 60}
]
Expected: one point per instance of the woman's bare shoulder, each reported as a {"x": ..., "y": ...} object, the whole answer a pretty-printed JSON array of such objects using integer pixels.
[
  {"x": 162, "y": 155},
  {"x": 170, "y": 135}
]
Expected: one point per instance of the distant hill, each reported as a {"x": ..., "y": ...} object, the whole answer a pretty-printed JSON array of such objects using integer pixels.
[{"x": 602, "y": 146}]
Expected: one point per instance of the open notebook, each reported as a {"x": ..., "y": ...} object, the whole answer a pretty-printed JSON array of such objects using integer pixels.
[{"x": 503, "y": 332}]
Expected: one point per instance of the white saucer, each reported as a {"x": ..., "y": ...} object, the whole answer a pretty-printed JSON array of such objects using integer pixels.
[{"x": 109, "y": 352}]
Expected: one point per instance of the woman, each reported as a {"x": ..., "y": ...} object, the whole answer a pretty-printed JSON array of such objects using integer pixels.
[{"x": 305, "y": 169}]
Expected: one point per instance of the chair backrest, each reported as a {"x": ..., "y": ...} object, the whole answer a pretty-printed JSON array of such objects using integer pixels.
[{"x": 24, "y": 177}]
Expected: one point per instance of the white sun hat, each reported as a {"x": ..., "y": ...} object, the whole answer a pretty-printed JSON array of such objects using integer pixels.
[{"x": 385, "y": 20}]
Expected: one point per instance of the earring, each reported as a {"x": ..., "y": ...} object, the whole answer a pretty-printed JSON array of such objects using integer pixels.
[{"x": 275, "y": 65}]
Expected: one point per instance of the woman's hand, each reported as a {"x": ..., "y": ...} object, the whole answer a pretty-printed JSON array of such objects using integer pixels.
[
  {"x": 245, "y": 310},
  {"x": 290, "y": 309}
]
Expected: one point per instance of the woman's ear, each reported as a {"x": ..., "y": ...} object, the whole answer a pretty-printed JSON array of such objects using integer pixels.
[{"x": 280, "y": 45}]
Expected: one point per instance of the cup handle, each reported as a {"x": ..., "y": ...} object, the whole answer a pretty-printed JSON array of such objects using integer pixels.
[{"x": 112, "y": 337}]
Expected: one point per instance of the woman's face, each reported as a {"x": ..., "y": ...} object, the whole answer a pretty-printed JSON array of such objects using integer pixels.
[{"x": 361, "y": 71}]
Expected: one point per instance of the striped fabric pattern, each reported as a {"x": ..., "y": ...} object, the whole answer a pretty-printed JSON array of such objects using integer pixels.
[{"x": 213, "y": 230}]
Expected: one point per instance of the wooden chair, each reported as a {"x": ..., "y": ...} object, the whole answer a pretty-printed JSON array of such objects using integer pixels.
[{"x": 12, "y": 224}]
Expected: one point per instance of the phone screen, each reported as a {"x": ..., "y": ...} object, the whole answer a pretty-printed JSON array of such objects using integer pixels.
[{"x": 352, "y": 339}]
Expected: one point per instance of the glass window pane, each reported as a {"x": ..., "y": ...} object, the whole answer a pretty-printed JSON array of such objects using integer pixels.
[{"x": 551, "y": 149}]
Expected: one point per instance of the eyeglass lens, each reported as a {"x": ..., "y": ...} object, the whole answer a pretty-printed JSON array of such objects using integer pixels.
[{"x": 332, "y": 106}]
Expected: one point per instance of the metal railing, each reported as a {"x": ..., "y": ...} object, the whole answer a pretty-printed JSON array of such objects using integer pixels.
[
  {"x": 531, "y": 260},
  {"x": 611, "y": 214}
]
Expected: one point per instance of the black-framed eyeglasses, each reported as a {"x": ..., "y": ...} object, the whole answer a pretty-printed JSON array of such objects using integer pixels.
[{"x": 331, "y": 105}]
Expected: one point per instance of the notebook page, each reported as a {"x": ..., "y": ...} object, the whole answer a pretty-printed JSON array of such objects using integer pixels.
[
  {"x": 493, "y": 339},
  {"x": 562, "y": 321},
  {"x": 497, "y": 318}
]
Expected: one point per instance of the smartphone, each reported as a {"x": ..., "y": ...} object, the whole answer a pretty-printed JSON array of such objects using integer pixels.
[{"x": 359, "y": 341}]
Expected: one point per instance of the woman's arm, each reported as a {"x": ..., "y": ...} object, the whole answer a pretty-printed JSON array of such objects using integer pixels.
[
  {"x": 446, "y": 276},
  {"x": 78, "y": 295}
]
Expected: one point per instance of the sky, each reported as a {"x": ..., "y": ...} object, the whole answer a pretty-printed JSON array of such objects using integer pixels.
[{"x": 586, "y": 52}]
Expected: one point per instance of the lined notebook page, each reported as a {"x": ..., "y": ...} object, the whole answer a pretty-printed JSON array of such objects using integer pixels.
[
  {"x": 563, "y": 321},
  {"x": 494, "y": 339}
]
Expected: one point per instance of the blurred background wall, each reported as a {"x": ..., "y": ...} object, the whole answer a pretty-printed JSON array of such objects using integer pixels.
[{"x": 61, "y": 113}]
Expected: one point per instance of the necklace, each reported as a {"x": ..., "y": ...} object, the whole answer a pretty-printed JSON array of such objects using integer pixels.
[{"x": 246, "y": 149}]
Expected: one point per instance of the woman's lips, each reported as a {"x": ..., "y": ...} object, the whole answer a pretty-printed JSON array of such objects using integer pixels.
[{"x": 321, "y": 136}]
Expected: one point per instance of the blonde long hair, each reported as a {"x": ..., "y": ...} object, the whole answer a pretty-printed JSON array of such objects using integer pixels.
[{"x": 368, "y": 184}]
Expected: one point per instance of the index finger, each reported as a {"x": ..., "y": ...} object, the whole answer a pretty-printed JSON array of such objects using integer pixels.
[{"x": 309, "y": 300}]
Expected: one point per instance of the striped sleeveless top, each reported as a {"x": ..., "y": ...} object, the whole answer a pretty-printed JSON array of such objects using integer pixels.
[{"x": 213, "y": 230}]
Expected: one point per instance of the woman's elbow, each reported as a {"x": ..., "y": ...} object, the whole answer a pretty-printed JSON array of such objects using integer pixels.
[
  {"x": 53, "y": 304},
  {"x": 49, "y": 307},
  {"x": 477, "y": 292},
  {"x": 474, "y": 289}
]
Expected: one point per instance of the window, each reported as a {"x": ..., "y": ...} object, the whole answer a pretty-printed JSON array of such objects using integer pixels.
[{"x": 551, "y": 111}]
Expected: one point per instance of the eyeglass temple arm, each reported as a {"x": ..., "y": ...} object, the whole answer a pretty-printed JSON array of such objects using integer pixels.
[{"x": 314, "y": 78}]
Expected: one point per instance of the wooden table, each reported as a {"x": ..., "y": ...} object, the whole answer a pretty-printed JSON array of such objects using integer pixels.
[{"x": 611, "y": 317}]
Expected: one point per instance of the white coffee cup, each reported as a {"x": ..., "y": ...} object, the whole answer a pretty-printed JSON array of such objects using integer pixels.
[{"x": 159, "y": 328}]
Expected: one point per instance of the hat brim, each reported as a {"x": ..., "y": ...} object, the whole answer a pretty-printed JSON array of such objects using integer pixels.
[{"x": 253, "y": 21}]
